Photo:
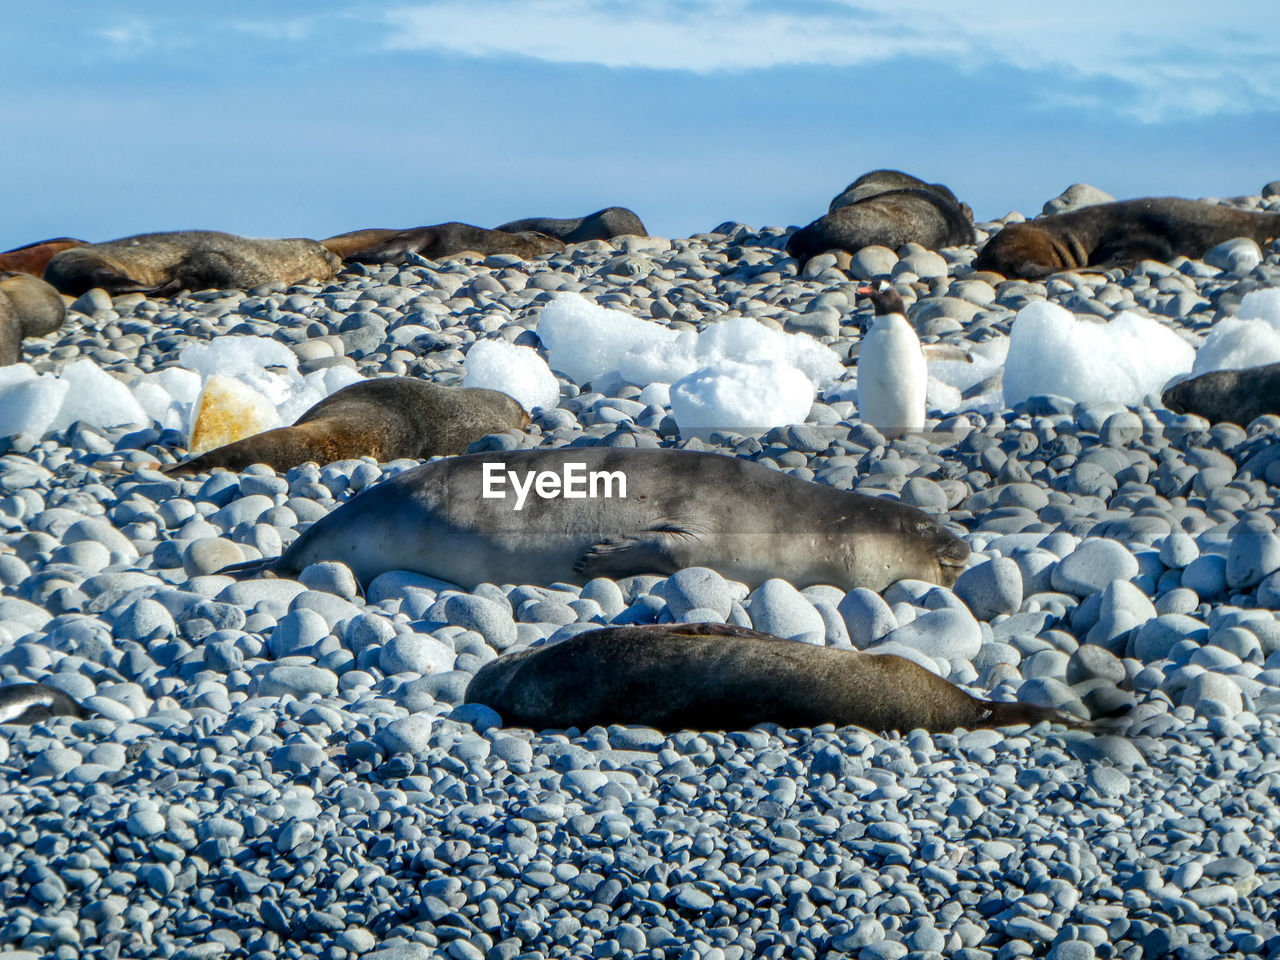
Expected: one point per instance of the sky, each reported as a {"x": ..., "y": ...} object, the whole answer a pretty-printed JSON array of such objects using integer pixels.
[{"x": 312, "y": 119}]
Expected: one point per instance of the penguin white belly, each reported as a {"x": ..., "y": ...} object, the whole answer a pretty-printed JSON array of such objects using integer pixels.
[{"x": 892, "y": 377}]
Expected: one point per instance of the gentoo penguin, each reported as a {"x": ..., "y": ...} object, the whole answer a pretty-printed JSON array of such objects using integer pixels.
[
  {"x": 33, "y": 702},
  {"x": 892, "y": 375}
]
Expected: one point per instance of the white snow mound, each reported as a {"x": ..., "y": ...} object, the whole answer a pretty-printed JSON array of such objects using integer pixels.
[
  {"x": 747, "y": 398},
  {"x": 1249, "y": 339},
  {"x": 1124, "y": 361},
  {"x": 516, "y": 371}
]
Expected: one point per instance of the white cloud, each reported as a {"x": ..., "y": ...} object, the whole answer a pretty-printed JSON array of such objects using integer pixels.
[
  {"x": 1173, "y": 58},
  {"x": 293, "y": 29},
  {"x": 129, "y": 36}
]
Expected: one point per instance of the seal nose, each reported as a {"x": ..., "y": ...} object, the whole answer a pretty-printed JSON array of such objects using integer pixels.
[{"x": 1171, "y": 402}]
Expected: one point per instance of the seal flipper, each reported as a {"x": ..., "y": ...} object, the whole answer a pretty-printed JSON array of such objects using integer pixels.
[
  {"x": 647, "y": 551},
  {"x": 247, "y": 569}
]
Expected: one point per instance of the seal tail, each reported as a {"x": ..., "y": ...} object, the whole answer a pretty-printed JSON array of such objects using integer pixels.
[{"x": 248, "y": 569}]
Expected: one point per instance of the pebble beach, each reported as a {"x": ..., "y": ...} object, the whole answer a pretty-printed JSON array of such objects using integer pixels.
[{"x": 284, "y": 768}]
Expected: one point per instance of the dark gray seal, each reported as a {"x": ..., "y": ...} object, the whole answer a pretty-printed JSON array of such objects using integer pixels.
[
  {"x": 1119, "y": 234},
  {"x": 654, "y": 511},
  {"x": 387, "y": 419},
  {"x": 602, "y": 225},
  {"x": 1228, "y": 396},
  {"x": 34, "y": 702},
  {"x": 882, "y": 181},
  {"x": 161, "y": 264},
  {"x": 381, "y": 245},
  {"x": 890, "y": 218},
  {"x": 29, "y": 307},
  {"x": 703, "y": 676}
]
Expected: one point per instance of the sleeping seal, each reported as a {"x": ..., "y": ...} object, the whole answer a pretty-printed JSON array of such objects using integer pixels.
[
  {"x": 712, "y": 676},
  {"x": 882, "y": 181},
  {"x": 33, "y": 702},
  {"x": 889, "y": 219},
  {"x": 32, "y": 258},
  {"x": 29, "y": 307},
  {"x": 161, "y": 264},
  {"x": 500, "y": 518},
  {"x": 1119, "y": 234},
  {"x": 1232, "y": 396},
  {"x": 387, "y": 419},
  {"x": 602, "y": 225},
  {"x": 379, "y": 245}
]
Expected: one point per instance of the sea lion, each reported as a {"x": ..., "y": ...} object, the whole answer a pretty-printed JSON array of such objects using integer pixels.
[
  {"x": 386, "y": 418},
  {"x": 712, "y": 676},
  {"x": 378, "y": 245},
  {"x": 33, "y": 702},
  {"x": 161, "y": 264},
  {"x": 602, "y": 225},
  {"x": 32, "y": 258},
  {"x": 29, "y": 307},
  {"x": 1231, "y": 396},
  {"x": 882, "y": 181},
  {"x": 889, "y": 219},
  {"x": 498, "y": 518},
  {"x": 1119, "y": 234}
]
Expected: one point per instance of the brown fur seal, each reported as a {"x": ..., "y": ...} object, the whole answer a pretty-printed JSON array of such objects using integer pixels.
[
  {"x": 161, "y": 264},
  {"x": 34, "y": 702},
  {"x": 387, "y": 419},
  {"x": 705, "y": 676},
  {"x": 602, "y": 225},
  {"x": 628, "y": 511},
  {"x": 1230, "y": 396},
  {"x": 347, "y": 245},
  {"x": 1119, "y": 234},
  {"x": 378, "y": 245},
  {"x": 34, "y": 257},
  {"x": 889, "y": 219},
  {"x": 882, "y": 181},
  {"x": 29, "y": 307}
]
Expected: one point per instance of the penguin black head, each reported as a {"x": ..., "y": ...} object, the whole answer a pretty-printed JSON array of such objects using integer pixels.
[{"x": 885, "y": 296}]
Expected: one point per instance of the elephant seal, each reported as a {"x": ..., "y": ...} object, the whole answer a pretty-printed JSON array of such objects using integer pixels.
[
  {"x": 161, "y": 264},
  {"x": 436, "y": 242},
  {"x": 33, "y": 702},
  {"x": 626, "y": 511},
  {"x": 32, "y": 258},
  {"x": 882, "y": 181},
  {"x": 29, "y": 307},
  {"x": 712, "y": 676},
  {"x": 1119, "y": 234},
  {"x": 888, "y": 219},
  {"x": 602, "y": 225},
  {"x": 1231, "y": 396},
  {"x": 386, "y": 418}
]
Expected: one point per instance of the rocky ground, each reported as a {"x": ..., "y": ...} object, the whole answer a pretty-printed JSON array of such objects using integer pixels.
[{"x": 278, "y": 768}]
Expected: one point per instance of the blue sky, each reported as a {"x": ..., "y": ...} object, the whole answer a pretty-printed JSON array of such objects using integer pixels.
[{"x": 293, "y": 119}]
